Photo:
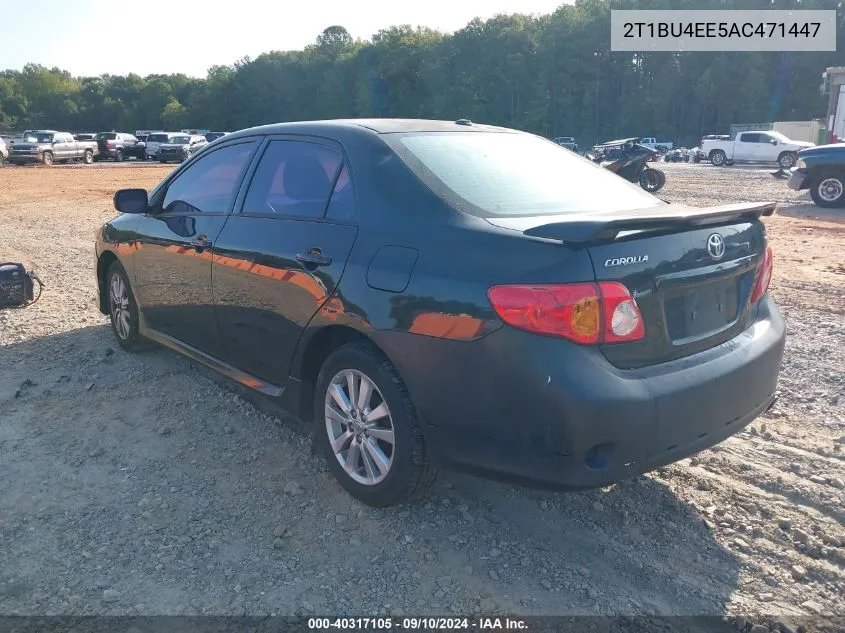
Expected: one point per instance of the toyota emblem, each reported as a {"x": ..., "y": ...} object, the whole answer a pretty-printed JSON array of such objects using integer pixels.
[{"x": 716, "y": 246}]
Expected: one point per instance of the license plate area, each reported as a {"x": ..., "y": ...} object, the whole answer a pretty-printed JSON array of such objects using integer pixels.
[{"x": 700, "y": 310}]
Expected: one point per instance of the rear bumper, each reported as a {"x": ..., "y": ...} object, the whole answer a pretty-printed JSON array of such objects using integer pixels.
[
  {"x": 799, "y": 180},
  {"x": 544, "y": 411}
]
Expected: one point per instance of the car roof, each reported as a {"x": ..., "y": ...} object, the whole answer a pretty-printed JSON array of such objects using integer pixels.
[{"x": 376, "y": 126}]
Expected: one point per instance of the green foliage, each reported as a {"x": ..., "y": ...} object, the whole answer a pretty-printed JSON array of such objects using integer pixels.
[{"x": 551, "y": 74}]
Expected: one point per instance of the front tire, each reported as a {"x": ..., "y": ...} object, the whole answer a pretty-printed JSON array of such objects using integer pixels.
[
  {"x": 47, "y": 158},
  {"x": 718, "y": 157},
  {"x": 123, "y": 310},
  {"x": 828, "y": 190},
  {"x": 787, "y": 160},
  {"x": 367, "y": 427}
]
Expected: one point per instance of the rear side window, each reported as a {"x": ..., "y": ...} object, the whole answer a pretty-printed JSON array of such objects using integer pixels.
[
  {"x": 293, "y": 178},
  {"x": 342, "y": 206},
  {"x": 209, "y": 185},
  {"x": 513, "y": 174},
  {"x": 750, "y": 137}
]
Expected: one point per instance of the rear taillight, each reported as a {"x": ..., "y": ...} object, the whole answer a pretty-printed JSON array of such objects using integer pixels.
[
  {"x": 109, "y": 143},
  {"x": 587, "y": 313},
  {"x": 763, "y": 277}
]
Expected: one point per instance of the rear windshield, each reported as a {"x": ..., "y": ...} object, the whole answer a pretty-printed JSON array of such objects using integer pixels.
[
  {"x": 503, "y": 174},
  {"x": 180, "y": 140},
  {"x": 106, "y": 136},
  {"x": 157, "y": 138}
]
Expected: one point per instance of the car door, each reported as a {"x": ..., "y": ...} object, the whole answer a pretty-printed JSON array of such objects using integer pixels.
[
  {"x": 768, "y": 148},
  {"x": 61, "y": 148},
  {"x": 747, "y": 146},
  {"x": 282, "y": 253},
  {"x": 173, "y": 258}
]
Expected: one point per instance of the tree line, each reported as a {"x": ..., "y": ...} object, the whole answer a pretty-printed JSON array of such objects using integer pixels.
[{"x": 553, "y": 75}]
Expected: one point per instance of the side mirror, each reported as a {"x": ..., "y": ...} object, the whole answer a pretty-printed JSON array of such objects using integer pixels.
[
  {"x": 131, "y": 201},
  {"x": 56, "y": 141},
  {"x": 773, "y": 141}
]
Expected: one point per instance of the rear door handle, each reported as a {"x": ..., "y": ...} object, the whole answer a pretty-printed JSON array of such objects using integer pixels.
[{"x": 314, "y": 258}]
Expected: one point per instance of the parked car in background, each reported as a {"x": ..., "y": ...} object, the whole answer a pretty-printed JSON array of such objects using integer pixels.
[
  {"x": 49, "y": 147},
  {"x": 652, "y": 143},
  {"x": 119, "y": 146},
  {"x": 4, "y": 151},
  {"x": 154, "y": 142},
  {"x": 754, "y": 147},
  {"x": 567, "y": 141},
  {"x": 141, "y": 147},
  {"x": 449, "y": 303},
  {"x": 821, "y": 169},
  {"x": 698, "y": 154},
  {"x": 180, "y": 147},
  {"x": 86, "y": 136},
  {"x": 677, "y": 155},
  {"x": 213, "y": 136}
]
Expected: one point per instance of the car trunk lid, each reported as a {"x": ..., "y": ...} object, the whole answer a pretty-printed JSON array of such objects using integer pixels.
[{"x": 691, "y": 271}]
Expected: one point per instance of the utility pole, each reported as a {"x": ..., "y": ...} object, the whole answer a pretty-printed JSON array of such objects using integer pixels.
[{"x": 596, "y": 55}]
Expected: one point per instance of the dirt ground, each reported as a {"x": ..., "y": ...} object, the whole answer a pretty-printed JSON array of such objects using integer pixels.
[{"x": 144, "y": 484}]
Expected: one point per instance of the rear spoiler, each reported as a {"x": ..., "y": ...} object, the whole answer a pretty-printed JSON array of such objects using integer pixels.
[{"x": 584, "y": 229}]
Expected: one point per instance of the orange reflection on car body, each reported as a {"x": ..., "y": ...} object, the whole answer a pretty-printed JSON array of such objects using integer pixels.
[
  {"x": 306, "y": 281},
  {"x": 452, "y": 326}
]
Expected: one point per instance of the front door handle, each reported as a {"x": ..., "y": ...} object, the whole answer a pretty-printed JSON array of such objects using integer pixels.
[
  {"x": 201, "y": 243},
  {"x": 314, "y": 258}
]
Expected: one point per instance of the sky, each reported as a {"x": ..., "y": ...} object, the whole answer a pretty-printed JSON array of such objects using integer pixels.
[{"x": 93, "y": 37}]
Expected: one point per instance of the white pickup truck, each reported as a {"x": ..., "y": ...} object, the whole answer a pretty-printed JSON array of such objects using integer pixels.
[
  {"x": 754, "y": 147},
  {"x": 653, "y": 143}
]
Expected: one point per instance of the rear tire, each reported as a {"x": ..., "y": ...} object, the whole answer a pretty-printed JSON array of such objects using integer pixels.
[
  {"x": 88, "y": 157},
  {"x": 359, "y": 457},
  {"x": 718, "y": 158},
  {"x": 652, "y": 180},
  {"x": 123, "y": 310},
  {"x": 118, "y": 157},
  {"x": 787, "y": 160},
  {"x": 828, "y": 190}
]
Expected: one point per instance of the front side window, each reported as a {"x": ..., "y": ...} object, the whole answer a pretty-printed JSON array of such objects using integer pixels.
[
  {"x": 209, "y": 185},
  {"x": 293, "y": 178},
  {"x": 513, "y": 174}
]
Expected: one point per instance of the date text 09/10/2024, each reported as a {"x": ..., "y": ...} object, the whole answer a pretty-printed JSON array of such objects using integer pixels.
[{"x": 417, "y": 624}]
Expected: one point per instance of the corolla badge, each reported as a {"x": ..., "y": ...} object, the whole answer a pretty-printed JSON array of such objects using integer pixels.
[
  {"x": 625, "y": 261},
  {"x": 716, "y": 246}
]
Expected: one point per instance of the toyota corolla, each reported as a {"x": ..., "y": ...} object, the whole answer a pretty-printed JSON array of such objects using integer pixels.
[{"x": 444, "y": 294}]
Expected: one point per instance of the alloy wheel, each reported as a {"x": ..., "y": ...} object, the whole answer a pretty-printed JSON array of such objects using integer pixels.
[
  {"x": 360, "y": 427},
  {"x": 120, "y": 307}
]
